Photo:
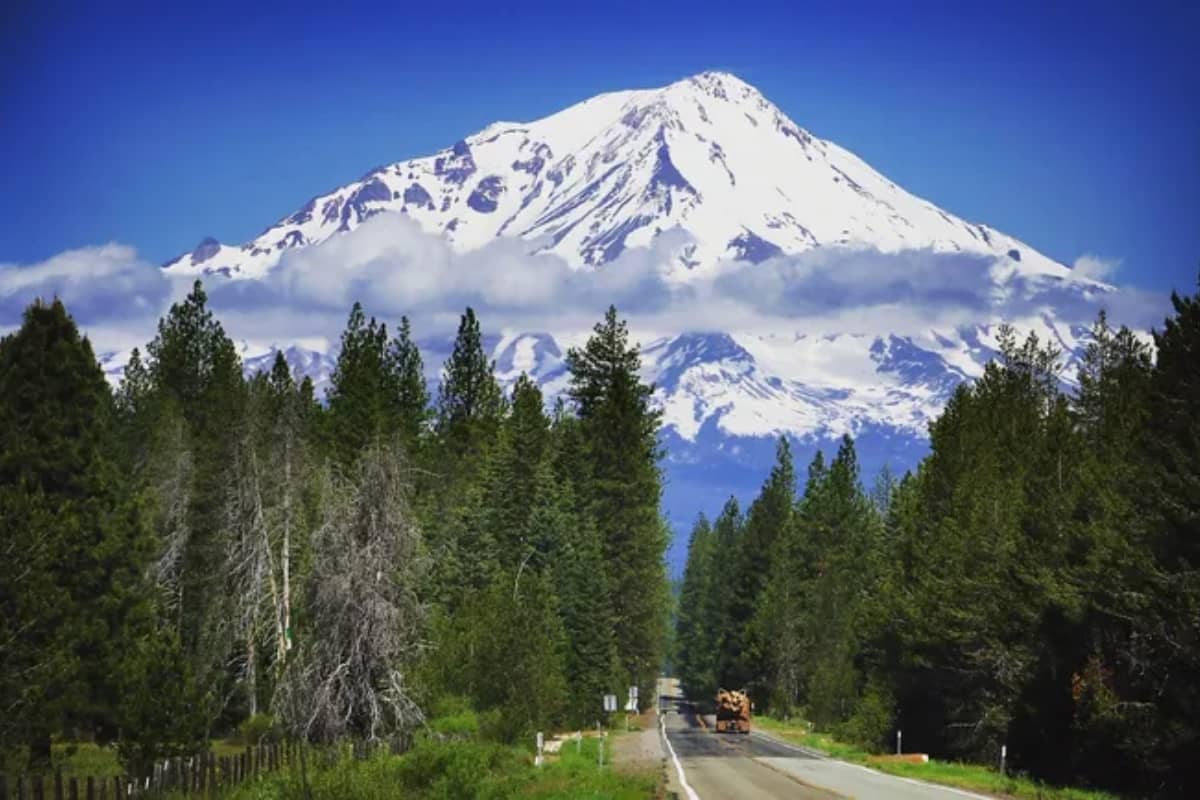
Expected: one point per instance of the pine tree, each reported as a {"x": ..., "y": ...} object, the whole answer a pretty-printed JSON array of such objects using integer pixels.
[
  {"x": 358, "y": 394},
  {"x": 470, "y": 403},
  {"x": 197, "y": 405},
  {"x": 781, "y": 614},
  {"x": 619, "y": 430},
  {"x": 696, "y": 645},
  {"x": 769, "y": 518},
  {"x": 514, "y": 643},
  {"x": 1168, "y": 498},
  {"x": 582, "y": 576},
  {"x": 408, "y": 393},
  {"x": 514, "y": 477},
  {"x": 585, "y": 607},
  {"x": 838, "y": 523},
  {"x": 727, "y": 532},
  {"x": 75, "y": 547}
]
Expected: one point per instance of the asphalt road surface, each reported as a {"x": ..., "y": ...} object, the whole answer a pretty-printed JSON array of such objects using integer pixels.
[{"x": 709, "y": 766}]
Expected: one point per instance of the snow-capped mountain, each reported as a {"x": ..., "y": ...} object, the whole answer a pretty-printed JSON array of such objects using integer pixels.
[
  {"x": 708, "y": 154},
  {"x": 711, "y": 162}
]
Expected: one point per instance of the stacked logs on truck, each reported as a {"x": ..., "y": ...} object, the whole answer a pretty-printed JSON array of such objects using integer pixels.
[{"x": 733, "y": 704}]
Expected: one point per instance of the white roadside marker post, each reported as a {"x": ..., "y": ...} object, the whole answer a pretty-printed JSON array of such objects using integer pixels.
[
  {"x": 1003, "y": 757},
  {"x": 899, "y": 736},
  {"x": 541, "y": 742}
]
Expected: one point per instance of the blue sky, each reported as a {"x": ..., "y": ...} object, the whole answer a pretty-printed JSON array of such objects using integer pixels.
[{"x": 1076, "y": 129}]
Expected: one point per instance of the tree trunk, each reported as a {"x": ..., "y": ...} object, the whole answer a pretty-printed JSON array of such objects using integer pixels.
[
  {"x": 40, "y": 755},
  {"x": 304, "y": 771},
  {"x": 287, "y": 551},
  {"x": 251, "y": 674}
]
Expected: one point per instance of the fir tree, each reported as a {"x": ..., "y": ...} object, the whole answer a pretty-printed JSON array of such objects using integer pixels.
[
  {"x": 619, "y": 430},
  {"x": 727, "y": 531},
  {"x": 1168, "y": 498},
  {"x": 696, "y": 645},
  {"x": 769, "y": 518},
  {"x": 514, "y": 475},
  {"x": 470, "y": 403},
  {"x": 408, "y": 393},
  {"x": 585, "y": 608},
  {"x": 358, "y": 394},
  {"x": 198, "y": 403},
  {"x": 75, "y": 548}
]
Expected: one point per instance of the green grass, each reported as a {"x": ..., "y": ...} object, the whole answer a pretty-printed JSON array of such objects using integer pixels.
[
  {"x": 75, "y": 759},
  {"x": 81, "y": 759},
  {"x": 446, "y": 770},
  {"x": 973, "y": 777}
]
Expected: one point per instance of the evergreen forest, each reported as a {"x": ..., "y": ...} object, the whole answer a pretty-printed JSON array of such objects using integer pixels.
[
  {"x": 1033, "y": 585},
  {"x": 197, "y": 548}
]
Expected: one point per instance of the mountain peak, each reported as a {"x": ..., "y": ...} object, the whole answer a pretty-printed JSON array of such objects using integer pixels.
[
  {"x": 707, "y": 154},
  {"x": 724, "y": 85}
]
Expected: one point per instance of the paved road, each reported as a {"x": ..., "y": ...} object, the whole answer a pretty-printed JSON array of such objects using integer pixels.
[{"x": 716, "y": 766}]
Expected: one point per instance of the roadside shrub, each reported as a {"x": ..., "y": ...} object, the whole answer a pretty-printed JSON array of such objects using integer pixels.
[
  {"x": 871, "y": 725},
  {"x": 260, "y": 729},
  {"x": 455, "y": 770},
  {"x": 453, "y": 718}
]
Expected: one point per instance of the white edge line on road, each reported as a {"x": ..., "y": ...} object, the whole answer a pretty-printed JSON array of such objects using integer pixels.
[
  {"x": 662, "y": 729},
  {"x": 914, "y": 781}
]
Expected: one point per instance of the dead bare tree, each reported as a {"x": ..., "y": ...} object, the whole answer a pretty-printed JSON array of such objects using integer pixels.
[
  {"x": 266, "y": 481},
  {"x": 252, "y": 596},
  {"x": 170, "y": 474},
  {"x": 365, "y": 620},
  {"x": 287, "y": 472}
]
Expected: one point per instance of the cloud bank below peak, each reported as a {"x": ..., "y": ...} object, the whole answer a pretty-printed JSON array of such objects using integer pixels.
[{"x": 393, "y": 267}]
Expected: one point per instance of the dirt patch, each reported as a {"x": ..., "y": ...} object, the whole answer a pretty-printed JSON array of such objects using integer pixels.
[{"x": 639, "y": 750}]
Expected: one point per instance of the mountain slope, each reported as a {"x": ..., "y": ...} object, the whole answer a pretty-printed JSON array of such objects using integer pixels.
[
  {"x": 731, "y": 178},
  {"x": 708, "y": 154}
]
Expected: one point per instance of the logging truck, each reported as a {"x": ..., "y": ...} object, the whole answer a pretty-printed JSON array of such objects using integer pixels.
[{"x": 733, "y": 712}]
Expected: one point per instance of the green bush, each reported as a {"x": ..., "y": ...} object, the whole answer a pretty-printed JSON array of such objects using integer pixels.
[
  {"x": 871, "y": 725},
  {"x": 464, "y": 725},
  {"x": 260, "y": 729},
  {"x": 452, "y": 770}
]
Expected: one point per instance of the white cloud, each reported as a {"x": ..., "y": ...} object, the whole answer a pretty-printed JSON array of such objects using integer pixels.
[
  {"x": 394, "y": 268},
  {"x": 1096, "y": 267}
]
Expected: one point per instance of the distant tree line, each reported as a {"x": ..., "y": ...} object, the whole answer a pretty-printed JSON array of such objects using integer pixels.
[
  {"x": 199, "y": 547},
  {"x": 1034, "y": 584}
]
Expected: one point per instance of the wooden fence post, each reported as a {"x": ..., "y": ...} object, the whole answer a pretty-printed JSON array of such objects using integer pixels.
[
  {"x": 58, "y": 784},
  {"x": 91, "y": 788},
  {"x": 73, "y": 785}
]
